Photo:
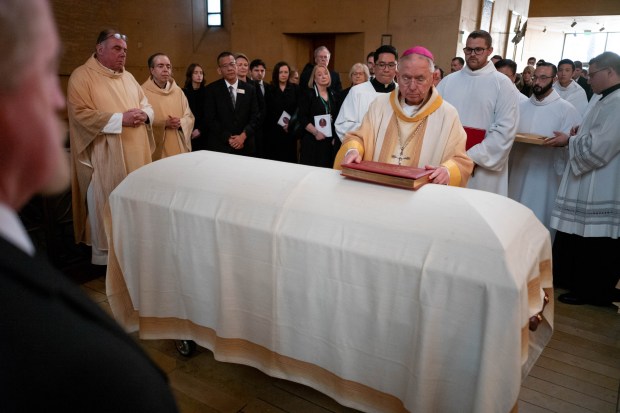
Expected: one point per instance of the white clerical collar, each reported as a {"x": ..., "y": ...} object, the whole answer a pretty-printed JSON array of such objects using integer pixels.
[
  {"x": 409, "y": 109},
  {"x": 13, "y": 231}
]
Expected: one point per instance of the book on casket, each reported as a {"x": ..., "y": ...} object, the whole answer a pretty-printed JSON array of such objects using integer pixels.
[{"x": 407, "y": 177}]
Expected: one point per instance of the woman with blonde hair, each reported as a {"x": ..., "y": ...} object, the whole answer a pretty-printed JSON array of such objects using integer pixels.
[
  {"x": 317, "y": 105},
  {"x": 243, "y": 67},
  {"x": 526, "y": 84}
]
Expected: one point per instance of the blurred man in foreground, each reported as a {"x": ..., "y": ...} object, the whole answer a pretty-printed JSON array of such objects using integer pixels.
[{"x": 60, "y": 352}]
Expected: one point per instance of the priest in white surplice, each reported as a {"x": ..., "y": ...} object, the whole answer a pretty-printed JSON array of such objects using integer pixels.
[
  {"x": 485, "y": 99},
  {"x": 568, "y": 89},
  {"x": 535, "y": 171},
  {"x": 361, "y": 96},
  {"x": 587, "y": 208},
  {"x": 412, "y": 126}
]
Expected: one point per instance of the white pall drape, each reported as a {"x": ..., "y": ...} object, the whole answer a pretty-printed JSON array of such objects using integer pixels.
[{"x": 423, "y": 297}]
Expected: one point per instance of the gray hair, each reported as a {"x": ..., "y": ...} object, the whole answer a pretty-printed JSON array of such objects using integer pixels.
[
  {"x": 19, "y": 30},
  {"x": 359, "y": 66},
  {"x": 318, "y": 49}
]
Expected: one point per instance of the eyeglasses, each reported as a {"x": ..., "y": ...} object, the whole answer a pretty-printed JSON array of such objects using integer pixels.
[
  {"x": 593, "y": 73},
  {"x": 383, "y": 65},
  {"x": 116, "y": 36},
  {"x": 475, "y": 50},
  {"x": 542, "y": 77},
  {"x": 406, "y": 81},
  {"x": 231, "y": 65}
]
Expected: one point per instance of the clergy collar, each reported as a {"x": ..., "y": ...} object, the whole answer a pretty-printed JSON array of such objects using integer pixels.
[
  {"x": 610, "y": 90},
  {"x": 155, "y": 83},
  {"x": 431, "y": 105},
  {"x": 381, "y": 87}
]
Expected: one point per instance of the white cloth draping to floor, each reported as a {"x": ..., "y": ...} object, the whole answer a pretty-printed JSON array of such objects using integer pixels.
[{"x": 385, "y": 299}]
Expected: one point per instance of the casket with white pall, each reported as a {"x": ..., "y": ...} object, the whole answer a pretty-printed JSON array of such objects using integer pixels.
[{"x": 385, "y": 299}]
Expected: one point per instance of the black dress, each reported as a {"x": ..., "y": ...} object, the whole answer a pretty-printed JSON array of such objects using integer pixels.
[
  {"x": 196, "y": 99},
  {"x": 314, "y": 152},
  {"x": 280, "y": 145}
]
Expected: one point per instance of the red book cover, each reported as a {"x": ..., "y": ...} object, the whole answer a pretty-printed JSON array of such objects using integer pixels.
[
  {"x": 474, "y": 136},
  {"x": 384, "y": 173}
]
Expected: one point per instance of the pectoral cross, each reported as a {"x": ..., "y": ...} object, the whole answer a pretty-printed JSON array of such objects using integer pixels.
[{"x": 401, "y": 157}]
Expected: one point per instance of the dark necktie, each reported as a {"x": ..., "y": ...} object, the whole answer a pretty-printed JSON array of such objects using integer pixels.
[{"x": 232, "y": 94}]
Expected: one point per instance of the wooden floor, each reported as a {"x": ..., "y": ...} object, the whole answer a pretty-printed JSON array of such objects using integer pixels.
[{"x": 579, "y": 371}]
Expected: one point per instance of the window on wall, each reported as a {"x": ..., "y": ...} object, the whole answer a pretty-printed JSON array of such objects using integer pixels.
[
  {"x": 214, "y": 13},
  {"x": 584, "y": 47}
]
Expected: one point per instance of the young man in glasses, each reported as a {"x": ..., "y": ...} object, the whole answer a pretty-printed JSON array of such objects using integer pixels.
[
  {"x": 484, "y": 99},
  {"x": 111, "y": 136},
  {"x": 361, "y": 96},
  {"x": 535, "y": 170}
]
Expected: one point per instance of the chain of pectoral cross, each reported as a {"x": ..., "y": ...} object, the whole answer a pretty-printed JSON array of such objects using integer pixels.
[{"x": 401, "y": 156}]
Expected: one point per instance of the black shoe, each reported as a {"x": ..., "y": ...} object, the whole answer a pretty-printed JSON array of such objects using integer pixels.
[{"x": 571, "y": 299}]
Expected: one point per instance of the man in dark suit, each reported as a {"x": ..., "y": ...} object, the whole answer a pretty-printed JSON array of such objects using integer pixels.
[
  {"x": 582, "y": 81},
  {"x": 59, "y": 350},
  {"x": 257, "y": 72},
  {"x": 231, "y": 111},
  {"x": 321, "y": 58}
]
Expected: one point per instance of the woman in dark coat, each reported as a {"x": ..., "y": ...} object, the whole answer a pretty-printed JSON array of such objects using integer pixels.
[
  {"x": 194, "y": 90},
  {"x": 317, "y": 149},
  {"x": 280, "y": 142}
]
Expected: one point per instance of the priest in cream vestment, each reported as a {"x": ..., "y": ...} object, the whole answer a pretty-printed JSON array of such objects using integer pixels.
[
  {"x": 412, "y": 126},
  {"x": 110, "y": 133},
  {"x": 174, "y": 120}
]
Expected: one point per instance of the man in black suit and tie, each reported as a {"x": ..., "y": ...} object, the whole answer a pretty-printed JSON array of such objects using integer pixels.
[
  {"x": 257, "y": 72},
  {"x": 231, "y": 111},
  {"x": 59, "y": 352}
]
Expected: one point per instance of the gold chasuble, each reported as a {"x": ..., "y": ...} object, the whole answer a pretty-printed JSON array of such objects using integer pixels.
[
  {"x": 170, "y": 101},
  {"x": 433, "y": 135},
  {"x": 94, "y": 94}
]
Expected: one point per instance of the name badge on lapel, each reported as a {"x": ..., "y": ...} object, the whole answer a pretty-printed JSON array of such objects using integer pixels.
[{"x": 242, "y": 91}]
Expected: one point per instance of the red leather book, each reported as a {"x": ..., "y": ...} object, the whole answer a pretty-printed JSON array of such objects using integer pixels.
[
  {"x": 399, "y": 176},
  {"x": 474, "y": 136}
]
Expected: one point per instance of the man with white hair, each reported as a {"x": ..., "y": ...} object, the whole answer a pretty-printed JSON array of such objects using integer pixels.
[
  {"x": 587, "y": 208},
  {"x": 322, "y": 56},
  {"x": 60, "y": 352},
  {"x": 412, "y": 126}
]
